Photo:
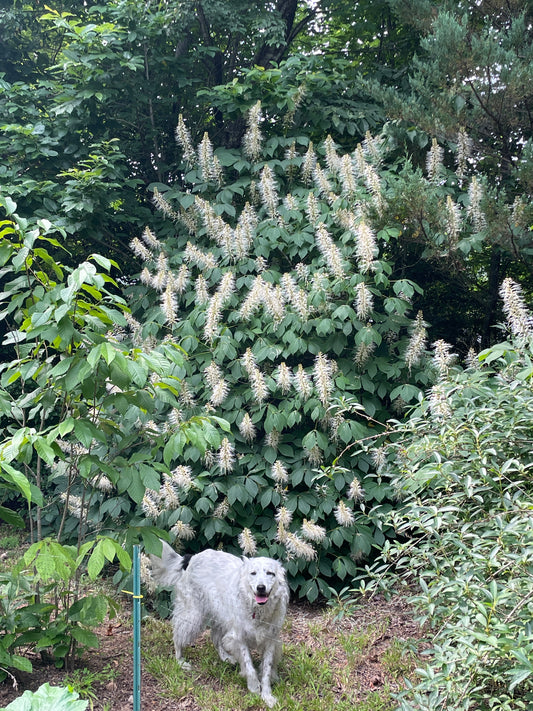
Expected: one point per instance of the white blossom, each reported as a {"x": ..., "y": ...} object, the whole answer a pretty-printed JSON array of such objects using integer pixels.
[
  {"x": 279, "y": 472},
  {"x": 252, "y": 138},
  {"x": 329, "y": 251},
  {"x": 247, "y": 542},
  {"x": 299, "y": 548},
  {"x": 247, "y": 428},
  {"x": 434, "y": 161},
  {"x": 312, "y": 531},
  {"x": 302, "y": 383},
  {"x": 344, "y": 514},
  {"x": 364, "y": 301},
  {"x": 322, "y": 377},
  {"x": 182, "y": 476},
  {"x": 518, "y": 317},
  {"x": 183, "y": 138},
  {"x": 226, "y": 456},
  {"x": 183, "y": 531}
]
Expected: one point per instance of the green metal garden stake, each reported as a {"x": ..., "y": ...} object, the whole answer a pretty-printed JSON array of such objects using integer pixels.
[{"x": 136, "y": 629}]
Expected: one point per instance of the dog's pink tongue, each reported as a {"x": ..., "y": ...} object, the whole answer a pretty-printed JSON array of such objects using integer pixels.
[{"x": 261, "y": 599}]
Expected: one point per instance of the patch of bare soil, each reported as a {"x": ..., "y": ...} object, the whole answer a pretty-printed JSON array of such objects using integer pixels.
[{"x": 388, "y": 620}]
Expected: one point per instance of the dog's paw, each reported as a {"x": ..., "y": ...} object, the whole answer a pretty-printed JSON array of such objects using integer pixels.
[
  {"x": 183, "y": 664},
  {"x": 226, "y": 656},
  {"x": 253, "y": 686},
  {"x": 269, "y": 700}
]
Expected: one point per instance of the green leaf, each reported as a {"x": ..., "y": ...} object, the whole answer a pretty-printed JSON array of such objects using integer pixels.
[
  {"x": 44, "y": 450},
  {"x": 86, "y": 432},
  {"x": 11, "y": 517},
  {"x": 85, "y": 637},
  {"x": 89, "y": 610},
  {"x": 9, "y": 205},
  {"x": 16, "y": 478},
  {"x": 96, "y": 561},
  {"x": 174, "y": 447}
]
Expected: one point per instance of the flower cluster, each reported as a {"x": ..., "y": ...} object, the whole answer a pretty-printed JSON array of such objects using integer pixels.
[
  {"x": 226, "y": 456},
  {"x": 208, "y": 162},
  {"x": 453, "y": 221},
  {"x": 193, "y": 255},
  {"x": 322, "y": 376},
  {"x": 474, "y": 211},
  {"x": 364, "y": 301},
  {"x": 219, "y": 387},
  {"x": 247, "y": 542},
  {"x": 268, "y": 191},
  {"x": 329, "y": 251},
  {"x": 257, "y": 379},
  {"x": 183, "y": 137},
  {"x": 464, "y": 152},
  {"x": 252, "y": 141},
  {"x": 417, "y": 342},
  {"x": 518, "y": 317},
  {"x": 365, "y": 247},
  {"x": 442, "y": 357},
  {"x": 279, "y": 472},
  {"x": 247, "y": 428},
  {"x": 434, "y": 161}
]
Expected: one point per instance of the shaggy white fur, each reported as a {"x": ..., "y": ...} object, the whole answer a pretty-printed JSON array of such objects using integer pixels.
[{"x": 242, "y": 600}]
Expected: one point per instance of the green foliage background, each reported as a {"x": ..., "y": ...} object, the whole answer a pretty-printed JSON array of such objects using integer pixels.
[{"x": 404, "y": 123}]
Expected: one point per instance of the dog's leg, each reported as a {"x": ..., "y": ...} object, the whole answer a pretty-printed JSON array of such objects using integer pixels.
[
  {"x": 188, "y": 624},
  {"x": 248, "y": 670},
  {"x": 235, "y": 647},
  {"x": 269, "y": 663},
  {"x": 217, "y": 638}
]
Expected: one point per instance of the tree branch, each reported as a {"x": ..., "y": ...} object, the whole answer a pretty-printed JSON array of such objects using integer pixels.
[{"x": 287, "y": 10}]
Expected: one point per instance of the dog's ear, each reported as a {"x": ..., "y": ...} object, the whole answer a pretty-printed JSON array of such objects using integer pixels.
[{"x": 166, "y": 568}]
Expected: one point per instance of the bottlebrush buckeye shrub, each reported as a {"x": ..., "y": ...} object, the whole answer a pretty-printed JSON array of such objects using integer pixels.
[{"x": 271, "y": 274}]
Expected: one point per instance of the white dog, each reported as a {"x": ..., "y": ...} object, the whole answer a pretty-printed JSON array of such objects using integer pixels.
[{"x": 242, "y": 600}]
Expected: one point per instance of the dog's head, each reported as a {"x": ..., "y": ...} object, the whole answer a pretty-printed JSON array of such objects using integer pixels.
[{"x": 265, "y": 577}]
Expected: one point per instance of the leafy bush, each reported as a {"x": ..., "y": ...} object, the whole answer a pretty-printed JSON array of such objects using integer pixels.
[
  {"x": 275, "y": 272},
  {"x": 43, "y": 605},
  {"x": 78, "y": 405},
  {"x": 77, "y": 440},
  {"x": 461, "y": 468},
  {"x": 48, "y": 698}
]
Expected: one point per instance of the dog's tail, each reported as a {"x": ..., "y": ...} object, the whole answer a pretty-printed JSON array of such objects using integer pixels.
[{"x": 167, "y": 569}]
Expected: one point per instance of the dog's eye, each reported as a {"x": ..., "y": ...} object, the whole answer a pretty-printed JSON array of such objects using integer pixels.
[
  {"x": 253, "y": 572},
  {"x": 269, "y": 572}
]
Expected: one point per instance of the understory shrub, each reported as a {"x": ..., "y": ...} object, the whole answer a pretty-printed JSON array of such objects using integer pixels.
[
  {"x": 461, "y": 467},
  {"x": 45, "y": 605},
  {"x": 220, "y": 396},
  {"x": 76, "y": 454},
  {"x": 274, "y": 268}
]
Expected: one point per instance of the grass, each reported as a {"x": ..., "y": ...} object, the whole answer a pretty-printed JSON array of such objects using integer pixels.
[
  {"x": 323, "y": 667},
  {"x": 356, "y": 644},
  {"x": 85, "y": 681},
  {"x": 399, "y": 659},
  {"x": 336, "y": 658}
]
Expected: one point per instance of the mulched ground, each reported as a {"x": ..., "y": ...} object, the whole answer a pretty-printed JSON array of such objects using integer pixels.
[{"x": 116, "y": 645}]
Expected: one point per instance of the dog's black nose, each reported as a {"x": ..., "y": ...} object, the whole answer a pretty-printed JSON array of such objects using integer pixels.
[{"x": 261, "y": 589}]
